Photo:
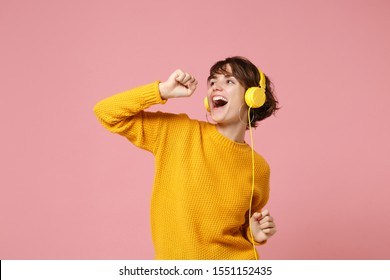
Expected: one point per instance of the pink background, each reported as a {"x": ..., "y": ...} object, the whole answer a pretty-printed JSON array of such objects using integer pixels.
[{"x": 72, "y": 190}]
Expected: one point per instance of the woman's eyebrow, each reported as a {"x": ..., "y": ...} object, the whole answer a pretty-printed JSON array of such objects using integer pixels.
[
  {"x": 229, "y": 76},
  {"x": 211, "y": 77},
  {"x": 225, "y": 75}
]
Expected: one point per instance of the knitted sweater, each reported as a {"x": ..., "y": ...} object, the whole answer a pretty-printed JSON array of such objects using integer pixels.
[{"x": 203, "y": 180}]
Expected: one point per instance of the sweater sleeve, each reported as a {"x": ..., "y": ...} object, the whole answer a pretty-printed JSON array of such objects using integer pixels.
[
  {"x": 124, "y": 114},
  {"x": 259, "y": 202}
]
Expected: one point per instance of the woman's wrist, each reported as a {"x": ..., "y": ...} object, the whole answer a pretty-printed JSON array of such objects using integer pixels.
[{"x": 161, "y": 88}]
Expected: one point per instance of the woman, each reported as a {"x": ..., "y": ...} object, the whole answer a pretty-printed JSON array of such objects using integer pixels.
[{"x": 205, "y": 185}]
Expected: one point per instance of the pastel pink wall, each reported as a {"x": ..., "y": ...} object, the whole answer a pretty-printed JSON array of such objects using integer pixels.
[{"x": 71, "y": 190}]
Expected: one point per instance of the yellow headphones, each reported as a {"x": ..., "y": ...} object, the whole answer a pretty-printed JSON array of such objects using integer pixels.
[{"x": 254, "y": 96}]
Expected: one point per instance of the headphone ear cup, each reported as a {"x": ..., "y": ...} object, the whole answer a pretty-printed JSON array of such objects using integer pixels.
[
  {"x": 206, "y": 104},
  {"x": 255, "y": 97}
]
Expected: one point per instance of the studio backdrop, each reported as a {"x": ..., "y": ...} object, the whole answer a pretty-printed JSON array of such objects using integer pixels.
[{"x": 69, "y": 189}]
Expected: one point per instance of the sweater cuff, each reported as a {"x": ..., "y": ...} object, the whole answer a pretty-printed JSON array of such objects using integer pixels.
[{"x": 152, "y": 95}]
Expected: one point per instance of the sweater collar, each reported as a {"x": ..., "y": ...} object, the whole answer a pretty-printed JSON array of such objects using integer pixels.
[{"x": 226, "y": 142}]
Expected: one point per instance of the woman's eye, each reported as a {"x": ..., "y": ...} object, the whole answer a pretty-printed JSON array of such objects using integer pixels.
[{"x": 230, "y": 81}]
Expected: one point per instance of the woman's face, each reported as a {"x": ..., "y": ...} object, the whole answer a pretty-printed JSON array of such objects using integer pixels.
[{"x": 226, "y": 97}]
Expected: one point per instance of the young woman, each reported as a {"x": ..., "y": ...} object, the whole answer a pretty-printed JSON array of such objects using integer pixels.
[{"x": 209, "y": 187}]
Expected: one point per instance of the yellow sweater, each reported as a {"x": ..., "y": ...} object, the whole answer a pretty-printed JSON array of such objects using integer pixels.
[{"x": 203, "y": 180}]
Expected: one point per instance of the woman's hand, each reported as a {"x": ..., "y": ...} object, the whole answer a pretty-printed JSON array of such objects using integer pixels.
[
  {"x": 179, "y": 84},
  {"x": 263, "y": 226}
]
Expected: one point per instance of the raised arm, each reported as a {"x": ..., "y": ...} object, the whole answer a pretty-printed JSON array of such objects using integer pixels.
[{"x": 124, "y": 113}]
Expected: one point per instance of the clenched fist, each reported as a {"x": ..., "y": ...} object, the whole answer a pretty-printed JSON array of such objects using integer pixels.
[{"x": 179, "y": 84}]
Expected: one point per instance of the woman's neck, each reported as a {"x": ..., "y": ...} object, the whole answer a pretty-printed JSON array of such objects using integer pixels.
[{"x": 234, "y": 132}]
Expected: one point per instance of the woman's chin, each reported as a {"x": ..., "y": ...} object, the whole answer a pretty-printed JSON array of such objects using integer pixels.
[{"x": 217, "y": 118}]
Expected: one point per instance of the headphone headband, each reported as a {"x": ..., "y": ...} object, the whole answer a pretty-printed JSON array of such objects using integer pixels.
[{"x": 262, "y": 82}]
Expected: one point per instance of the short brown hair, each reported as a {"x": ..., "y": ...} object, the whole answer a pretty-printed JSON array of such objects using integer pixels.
[{"x": 248, "y": 75}]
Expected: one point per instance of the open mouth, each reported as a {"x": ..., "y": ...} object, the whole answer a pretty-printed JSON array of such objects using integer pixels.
[{"x": 219, "y": 101}]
